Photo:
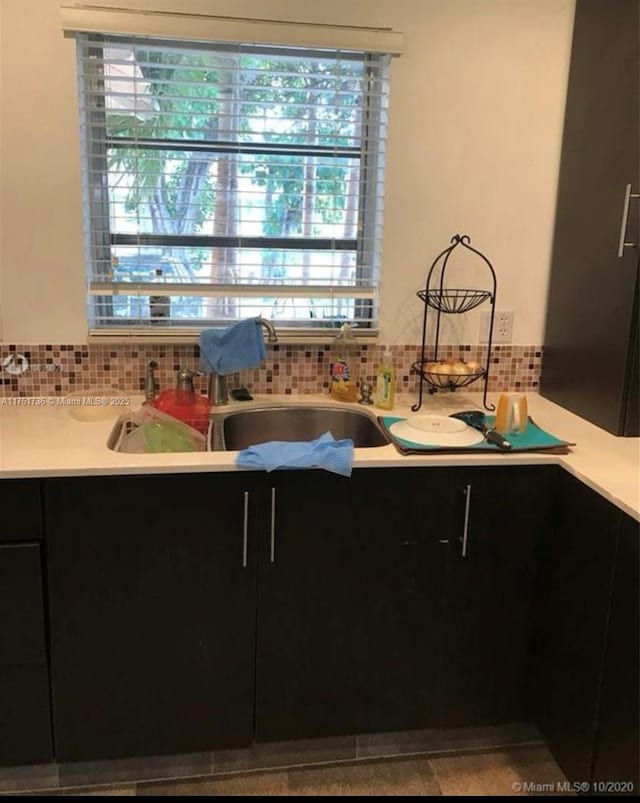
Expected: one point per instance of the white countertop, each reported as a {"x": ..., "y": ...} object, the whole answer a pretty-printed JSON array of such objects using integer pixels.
[{"x": 44, "y": 440}]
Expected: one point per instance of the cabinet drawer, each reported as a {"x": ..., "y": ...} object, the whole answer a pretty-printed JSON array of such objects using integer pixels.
[
  {"x": 21, "y": 607},
  {"x": 25, "y": 720},
  {"x": 21, "y": 510}
]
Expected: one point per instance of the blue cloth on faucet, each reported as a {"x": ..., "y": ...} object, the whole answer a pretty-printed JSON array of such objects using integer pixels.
[
  {"x": 323, "y": 452},
  {"x": 233, "y": 349}
]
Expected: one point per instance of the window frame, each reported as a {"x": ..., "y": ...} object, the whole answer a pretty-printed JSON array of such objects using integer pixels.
[{"x": 100, "y": 239}]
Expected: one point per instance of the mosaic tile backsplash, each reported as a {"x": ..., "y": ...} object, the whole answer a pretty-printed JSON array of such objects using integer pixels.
[{"x": 56, "y": 370}]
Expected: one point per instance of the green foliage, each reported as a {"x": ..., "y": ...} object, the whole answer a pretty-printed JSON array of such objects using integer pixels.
[
  {"x": 296, "y": 102},
  {"x": 184, "y": 92},
  {"x": 301, "y": 90}
]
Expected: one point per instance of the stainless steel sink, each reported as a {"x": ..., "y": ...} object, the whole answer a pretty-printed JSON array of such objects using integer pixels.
[
  {"x": 242, "y": 428},
  {"x": 238, "y": 430},
  {"x": 122, "y": 427}
]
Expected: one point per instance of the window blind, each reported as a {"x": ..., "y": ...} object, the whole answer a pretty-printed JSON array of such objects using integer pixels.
[{"x": 224, "y": 181}]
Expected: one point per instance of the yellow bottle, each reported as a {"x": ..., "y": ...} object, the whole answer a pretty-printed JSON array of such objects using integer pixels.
[
  {"x": 342, "y": 388},
  {"x": 385, "y": 383}
]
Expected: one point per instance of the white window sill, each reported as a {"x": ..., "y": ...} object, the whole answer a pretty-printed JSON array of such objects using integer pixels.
[{"x": 175, "y": 336}]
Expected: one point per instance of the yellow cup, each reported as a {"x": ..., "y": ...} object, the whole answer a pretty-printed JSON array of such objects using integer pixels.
[{"x": 511, "y": 414}]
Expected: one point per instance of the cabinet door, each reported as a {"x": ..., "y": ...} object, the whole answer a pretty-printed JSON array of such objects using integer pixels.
[
  {"x": 308, "y": 668},
  {"x": 21, "y": 510},
  {"x": 590, "y": 317},
  {"x": 25, "y": 718},
  {"x": 500, "y": 513},
  {"x": 617, "y": 747},
  {"x": 405, "y": 516},
  {"x": 152, "y": 594},
  {"x": 350, "y": 603},
  {"x": 21, "y": 606},
  {"x": 574, "y": 590}
]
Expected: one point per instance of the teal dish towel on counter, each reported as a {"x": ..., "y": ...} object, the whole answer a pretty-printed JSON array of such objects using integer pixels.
[
  {"x": 324, "y": 452},
  {"x": 533, "y": 439},
  {"x": 231, "y": 350}
]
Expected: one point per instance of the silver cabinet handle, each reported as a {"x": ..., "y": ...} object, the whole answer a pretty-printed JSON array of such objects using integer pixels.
[
  {"x": 465, "y": 532},
  {"x": 628, "y": 195},
  {"x": 273, "y": 525},
  {"x": 245, "y": 534}
]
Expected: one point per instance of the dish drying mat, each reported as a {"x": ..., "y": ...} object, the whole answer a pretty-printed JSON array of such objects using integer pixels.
[{"x": 533, "y": 439}]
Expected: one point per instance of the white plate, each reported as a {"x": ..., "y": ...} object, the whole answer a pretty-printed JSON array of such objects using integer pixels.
[
  {"x": 468, "y": 436},
  {"x": 436, "y": 423}
]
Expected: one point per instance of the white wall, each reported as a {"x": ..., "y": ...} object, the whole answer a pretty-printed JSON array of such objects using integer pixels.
[
  {"x": 1, "y": 172},
  {"x": 474, "y": 143}
]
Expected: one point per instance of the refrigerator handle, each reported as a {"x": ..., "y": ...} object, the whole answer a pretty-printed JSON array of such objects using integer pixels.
[{"x": 628, "y": 195}]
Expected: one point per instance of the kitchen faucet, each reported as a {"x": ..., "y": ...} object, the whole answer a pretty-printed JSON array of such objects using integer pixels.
[
  {"x": 218, "y": 391},
  {"x": 272, "y": 337},
  {"x": 150, "y": 381}
]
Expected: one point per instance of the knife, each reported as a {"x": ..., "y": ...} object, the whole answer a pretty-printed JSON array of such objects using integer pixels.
[{"x": 475, "y": 419}]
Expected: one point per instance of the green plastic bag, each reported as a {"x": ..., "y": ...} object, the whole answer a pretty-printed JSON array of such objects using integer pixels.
[
  {"x": 164, "y": 436},
  {"x": 155, "y": 432}
]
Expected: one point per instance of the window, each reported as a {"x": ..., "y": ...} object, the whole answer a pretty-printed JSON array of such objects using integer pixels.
[{"x": 225, "y": 181}]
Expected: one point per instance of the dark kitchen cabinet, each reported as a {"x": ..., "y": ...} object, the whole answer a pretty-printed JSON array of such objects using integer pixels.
[
  {"x": 309, "y": 640},
  {"x": 25, "y": 719},
  {"x": 590, "y": 363},
  {"x": 152, "y": 585},
  {"x": 575, "y": 579},
  {"x": 617, "y": 748},
  {"x": 21, "y": 507},
  {"x": 350, "y": 602},
  {"x": 409, "y": 516},
  {"x": 500, "y": 514},
  {"x": 378, "y": 614},
  {"x": 201, "y": 611}
]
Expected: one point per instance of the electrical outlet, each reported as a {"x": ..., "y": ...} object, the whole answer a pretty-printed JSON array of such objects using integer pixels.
[{"x": 502, "y": 326}]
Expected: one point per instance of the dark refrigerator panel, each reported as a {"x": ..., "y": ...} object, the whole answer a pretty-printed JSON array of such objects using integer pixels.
[{"x": 591, "y": 329}]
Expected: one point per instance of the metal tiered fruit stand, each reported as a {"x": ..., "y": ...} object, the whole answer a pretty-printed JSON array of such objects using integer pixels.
[{"x": 452, "y": 301}]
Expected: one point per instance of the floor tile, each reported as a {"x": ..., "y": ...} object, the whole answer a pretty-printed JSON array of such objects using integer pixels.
[
  {"x": 516, "y": 770},
  {"x": 509, "y": 772},
  {"x": 259, "y": 783},
  {"x": 443, "y": 741},
  {"x": 23, "y": 778},
  {"x": 397, "y": 777},
  {"x": 285, "y": 754},
  {"x": 28, "y": 777},
  {"x": 134, "y": 769}
]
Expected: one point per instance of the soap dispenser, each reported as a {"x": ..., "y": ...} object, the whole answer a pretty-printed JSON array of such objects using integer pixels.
[
  {"x": 342, "y": 388},
  {"x": 385, "y": 383}
]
